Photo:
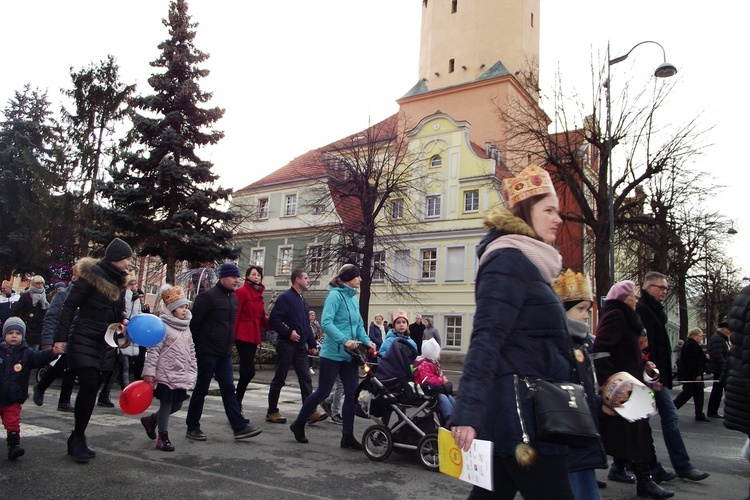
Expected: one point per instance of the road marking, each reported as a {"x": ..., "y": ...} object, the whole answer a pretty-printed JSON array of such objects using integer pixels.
[{"x": 28, "y": 430}]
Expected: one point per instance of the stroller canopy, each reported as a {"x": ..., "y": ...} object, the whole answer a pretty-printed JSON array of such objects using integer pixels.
[{"x": 395, "y": 367}]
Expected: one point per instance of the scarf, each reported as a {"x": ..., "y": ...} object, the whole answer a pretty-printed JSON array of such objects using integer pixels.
[
  {"x": 546, "y": 259},
  {"x": 38, "y": 296},
  {"x": 258, "y": 287},
  {"x": 577, "y": 329},
  {"x": 174, "y": 322}
]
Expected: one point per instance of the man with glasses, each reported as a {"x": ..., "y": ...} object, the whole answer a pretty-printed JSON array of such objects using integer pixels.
[{"x": 650, "y": 308}]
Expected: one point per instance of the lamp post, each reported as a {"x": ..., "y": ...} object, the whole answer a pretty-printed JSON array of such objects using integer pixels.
[{"x": 664, "y": 70}]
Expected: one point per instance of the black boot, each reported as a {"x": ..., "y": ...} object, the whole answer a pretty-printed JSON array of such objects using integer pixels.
[
  {"x": 14, "y": 445},
  {"x": 646, "y": 486},
  {"x": 299, "y": 431},
  {"x": 106, "y": 387},
  {"x": 349, "y": 441},
  {"x": 78, "y": 450},
  {"x": 617, "y": 473}
]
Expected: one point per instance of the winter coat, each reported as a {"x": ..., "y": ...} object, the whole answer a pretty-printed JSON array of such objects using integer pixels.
[
  {"x": 291, "y": 312},
  {"x": 251, "y": 314},
  {"x": 654, "y": 320},
  {"x": 214, "y": 312},
  {"x": 172, "y": 361},
  {"x": 390, "y": 337},
  {"x": 430, "y": 376},
  {"x": 416, "y": 332},
  {"x": 32, "y": 315},
  {"x": 342, "y": 322},
  {"x": 718, "y": 350},
  {"x": 376, "y": 334},
  {"x": 98, "y": 297},
  {"x": 692, "y": 361},
  {"x": 7, "y": 302},
  {"x": 737, "y": 390},
  {"x": 519, "y": 328},
  {"x": 432, "y": 333},
  {"x": 14, "y": 385},
  {"x": 53, "y": 315},
  {"x": 619, "y": 334}
]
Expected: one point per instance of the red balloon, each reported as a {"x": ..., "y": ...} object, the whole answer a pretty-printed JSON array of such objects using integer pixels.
[{"x": 136, "y": 397}]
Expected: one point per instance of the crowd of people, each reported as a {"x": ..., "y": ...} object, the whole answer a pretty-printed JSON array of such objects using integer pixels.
[{"x": 531, "y": 322}]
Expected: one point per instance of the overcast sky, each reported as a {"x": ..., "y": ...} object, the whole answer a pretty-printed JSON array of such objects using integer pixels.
[{"x": 296, "y": 74}]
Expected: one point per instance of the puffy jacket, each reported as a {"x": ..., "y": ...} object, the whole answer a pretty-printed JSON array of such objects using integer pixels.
[
  {"x": 251, "y": 314},
  {"x": 14, "y": 385},
  {"x": 53, "y": 314},
  {"x": 519, "y": 327},
  {"x": 718, "y": 350},
  {"x": 737, "y": 396},
  {"x": 172, "y": 361},
  {"x": 212, "y": 325},
  {"x": 291, "y": 312},
  {"x": 341, "y": 321},
  {"x": 97, "y": 296},
  {"x": 654, "y": 320}
]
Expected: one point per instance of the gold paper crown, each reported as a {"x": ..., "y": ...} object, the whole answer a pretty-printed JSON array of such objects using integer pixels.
[
  {"x": 530, "y": 182},
  {"x": 174, "y": 293},
  {"x": 7, "y": 283},
  {"x": 572, "y": 287}
]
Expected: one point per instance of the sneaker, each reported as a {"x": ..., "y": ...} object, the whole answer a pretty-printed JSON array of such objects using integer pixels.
[
  {"x": 312, "y": 372},
  {"x": 316, "y": 417},
  {"x": 196, "y": 435},
  {"x": 327, "y": 407},
  {"x": 66, "y": 407},
  {"x": 163, "y": 443},
  {"x": 248, "y": 432},
  {"x": 336, "y": 419},
  {"x": 38, "y": 396},
  {"x": 149, "y": 423},
  {"x": 276, "y": 418}
]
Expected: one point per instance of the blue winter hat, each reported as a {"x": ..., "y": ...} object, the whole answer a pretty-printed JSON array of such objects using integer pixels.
[
  {"x": 227, "y": 270},
  {"x": 14, "y": 323}
]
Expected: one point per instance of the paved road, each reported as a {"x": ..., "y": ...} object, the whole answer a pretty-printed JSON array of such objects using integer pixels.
[{"x": 274, "y": 465}]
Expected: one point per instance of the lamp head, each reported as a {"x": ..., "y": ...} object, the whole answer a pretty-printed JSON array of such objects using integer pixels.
[{"x": 665, "y": 70}]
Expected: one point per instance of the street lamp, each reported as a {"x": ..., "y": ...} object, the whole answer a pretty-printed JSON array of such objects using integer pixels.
[{"x": 664, "y": 70}]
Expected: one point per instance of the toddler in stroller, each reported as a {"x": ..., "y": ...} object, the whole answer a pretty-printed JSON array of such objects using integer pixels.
[{"x": 407, "y": 418}]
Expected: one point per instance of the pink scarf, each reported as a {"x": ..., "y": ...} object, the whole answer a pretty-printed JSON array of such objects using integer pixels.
[{"x": 542, "y": 255}]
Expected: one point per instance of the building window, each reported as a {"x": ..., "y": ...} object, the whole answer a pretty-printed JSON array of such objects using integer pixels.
[
  {"x": 263, "y": 208},
  {"x": 319, "y": 209},
  {"x": 401, "y": 266},
  {"x": 436, "y": 161},
  {"x": 285, "y": 261},
  {"x": 433, "y": 206},
  {"x": 451, "y": 65},
  {"x": 315, "y": 256},
  {"x": 454, "y": 6},
  {"x": 453, "y": 331},
  {"x": 397, "y": 209},
  {"x": 471, "y": 201},
  {"x": 257, "y": 257},
  {"x": 428, "y": 264},
  {"x": 290, "y": 205},
  {"x": 378, "y": 266},
  {"x": 455, "y": 264}
]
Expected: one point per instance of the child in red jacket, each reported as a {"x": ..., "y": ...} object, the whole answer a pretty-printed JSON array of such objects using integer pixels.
[{"x": 430, "y": 376}]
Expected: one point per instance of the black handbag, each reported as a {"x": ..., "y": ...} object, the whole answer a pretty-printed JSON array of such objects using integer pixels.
[{"x": 562, "y": 413}]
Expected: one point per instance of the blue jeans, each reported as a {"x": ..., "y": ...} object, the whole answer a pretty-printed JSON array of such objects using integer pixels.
[
  {"x": 584, "y": 485},
  {"x": 446, "y": 403},
  {"x": 329, "y": 369},
  {"x": 208, "y": 367},
  {"x": 670, "y": 427},
  {"x": 288, "y": 355}
]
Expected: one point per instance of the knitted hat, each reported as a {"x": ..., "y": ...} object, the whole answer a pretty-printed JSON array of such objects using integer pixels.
[
  {"x": 532, "y": 181},
  {"x": 60, "y": 284},
  {"x": 399, "y": 313},
  {"x": 572, "y": 287},
  {"x": 117, "y": 250},
  {"x": 431, "y": 349},
  {"x": 174, "y": 297},
  {"x": 14, "y": 323},
  {"x": 348, "y": 272},
  {"x": 621, "y": 290},
  {"x": 228, "y": 270}
]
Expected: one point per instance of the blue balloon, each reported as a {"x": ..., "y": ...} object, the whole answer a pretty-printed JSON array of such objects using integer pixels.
[{"x": 146, "y": 330}]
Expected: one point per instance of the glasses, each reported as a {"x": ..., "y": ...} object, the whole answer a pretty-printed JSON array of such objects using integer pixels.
[{"x": 663, "y": 288}]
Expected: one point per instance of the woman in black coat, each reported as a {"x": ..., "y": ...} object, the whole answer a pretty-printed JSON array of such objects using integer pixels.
[
  {"x": 621, "y": 334},
  {"x": 690, "y": 371},
  {"x": 99, "y": 297},
  {"x": 31, "y": 308}
]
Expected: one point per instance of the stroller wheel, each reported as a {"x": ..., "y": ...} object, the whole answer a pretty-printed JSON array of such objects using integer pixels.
[
  {"x": 377, "y": 442},
  {"x": 427, "y": 451}
]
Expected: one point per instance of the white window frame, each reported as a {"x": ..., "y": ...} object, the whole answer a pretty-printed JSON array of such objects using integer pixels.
[
  {"x": 254, "y": 252},
  {"x": 315, "y": 262},
  {"x": 290, "y": 205},
  {"x": 398, "y": 276},
  {"x": 263, "y": 208},
  {"x": 436, "y": 161},
  {"x": 452, "y": 266},
  {"x": 427, "y": 208},
  {"x": 397, "y": 209},
  {"x": 378, "y": 260},
  {"x": 475, "y": 201},
  {"x": 319, "y": 209},
  {"x": 449, "y": 342},
  {"x": 285, "y": 269},
  {"x": 433, "y": 268}
]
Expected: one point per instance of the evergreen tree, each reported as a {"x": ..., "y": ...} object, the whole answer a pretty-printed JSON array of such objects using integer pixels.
[
  {"x": 32, "y": 178},
  {"x": 162, "y": 198}
]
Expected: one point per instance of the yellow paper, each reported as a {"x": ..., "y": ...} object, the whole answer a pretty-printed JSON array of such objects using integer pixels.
[{"x": 473, "y": 466}]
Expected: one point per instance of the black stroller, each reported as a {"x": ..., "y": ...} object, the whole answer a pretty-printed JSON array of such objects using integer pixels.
[{"x": 407, "y": 419}]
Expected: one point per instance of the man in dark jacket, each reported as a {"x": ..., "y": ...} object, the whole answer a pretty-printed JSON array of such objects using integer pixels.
[
  {"x": 8, "y": 299},
  {"x": 690, "y": 371},
  {"x": 212, "y": 326},
  {"x": 416, "y": 331},
  {"x": 651, "y": 310},
  {"x": 290, "y": 320},
  {"x": 718, "y": 351}
]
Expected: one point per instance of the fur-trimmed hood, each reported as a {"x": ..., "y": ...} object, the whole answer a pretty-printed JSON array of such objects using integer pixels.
[
  {"x": 94, "y": 271},
  {"x": 501, "y": 221}
]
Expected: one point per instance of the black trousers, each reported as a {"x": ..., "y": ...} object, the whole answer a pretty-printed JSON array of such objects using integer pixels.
[
  {"x": 547, "y": 478},
  {"x": 691, "y": 390}
]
